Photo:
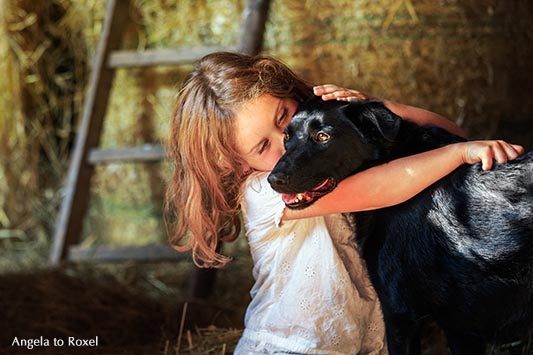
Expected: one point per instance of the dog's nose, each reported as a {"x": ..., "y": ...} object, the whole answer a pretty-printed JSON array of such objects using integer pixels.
[{"x": 278, "y": 179}]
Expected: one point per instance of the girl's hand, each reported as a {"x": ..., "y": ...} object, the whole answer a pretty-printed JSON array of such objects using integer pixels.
[
  {"x": 334, "y": 92},
  {"x": 488, "y": 151}
]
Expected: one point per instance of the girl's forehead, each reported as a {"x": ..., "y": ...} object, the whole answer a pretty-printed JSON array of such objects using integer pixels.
[
  {"x": 267, "y": 102},
  {"x": 261, "y": 107},
  {"x": 264, "y": 99},
  {"x": 254, "y": 120}
]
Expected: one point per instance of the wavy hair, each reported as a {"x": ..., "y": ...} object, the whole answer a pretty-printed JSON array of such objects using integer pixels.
[{"x": 202, "y": 199}]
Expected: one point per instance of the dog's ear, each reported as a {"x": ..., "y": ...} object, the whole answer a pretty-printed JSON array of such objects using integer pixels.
[{"x": 372, "y": 116}]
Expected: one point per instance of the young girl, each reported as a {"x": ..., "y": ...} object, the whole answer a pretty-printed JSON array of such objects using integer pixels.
[{"x": 311, "y": 293}]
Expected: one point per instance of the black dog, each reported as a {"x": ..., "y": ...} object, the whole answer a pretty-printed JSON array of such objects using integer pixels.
[{"x": 460, "y": 251}]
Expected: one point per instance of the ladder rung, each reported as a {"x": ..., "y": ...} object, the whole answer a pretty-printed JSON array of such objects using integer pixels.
[
  {"x": 152, "y": 57},
  {"x": 145, "y": 153},
  {"x": 150, "y": 252}
]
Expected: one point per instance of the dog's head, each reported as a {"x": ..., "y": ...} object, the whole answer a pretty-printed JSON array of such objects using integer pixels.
[{"x": 326, "y": 142}]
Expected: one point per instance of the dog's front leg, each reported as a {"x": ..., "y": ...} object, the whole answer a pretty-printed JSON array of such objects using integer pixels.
[
  {"x": 403, "y": 334},
  {"x": 464, "y": 344}
]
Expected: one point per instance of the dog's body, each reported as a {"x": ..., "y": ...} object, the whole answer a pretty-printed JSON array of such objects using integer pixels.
[{"x": 460, "y": 251}]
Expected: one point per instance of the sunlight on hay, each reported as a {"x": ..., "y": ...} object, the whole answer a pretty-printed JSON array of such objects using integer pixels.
[
  {"x": 12, "y": 137},
  {"x": 451, "y": 57},
  {"x": 39, "y": 103},
  {"x": 189, "y": 22}
]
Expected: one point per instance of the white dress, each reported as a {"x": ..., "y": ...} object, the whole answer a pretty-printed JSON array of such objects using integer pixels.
[{"x": 311, "y": 293}]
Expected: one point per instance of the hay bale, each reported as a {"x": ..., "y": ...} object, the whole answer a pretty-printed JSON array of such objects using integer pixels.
[
  {"x": 44, "y": 69},
  {"x": 465, "y": 59}
]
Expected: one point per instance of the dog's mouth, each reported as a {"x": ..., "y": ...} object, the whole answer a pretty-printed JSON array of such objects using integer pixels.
[{"x": 304, "y": 199}]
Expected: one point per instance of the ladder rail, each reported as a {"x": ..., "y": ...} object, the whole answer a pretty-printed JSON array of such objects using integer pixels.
[
  {"x": 76, "y": 193},
  {"x": 165, "y": 56}
]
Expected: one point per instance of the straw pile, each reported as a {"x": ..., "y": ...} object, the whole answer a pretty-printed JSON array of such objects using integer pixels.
[
  {"x": 43, "y": 73},
  {"x": 465, "y": 59}
]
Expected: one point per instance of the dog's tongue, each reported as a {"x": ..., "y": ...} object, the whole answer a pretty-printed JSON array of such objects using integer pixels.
[{"x": 290, "y": 199}]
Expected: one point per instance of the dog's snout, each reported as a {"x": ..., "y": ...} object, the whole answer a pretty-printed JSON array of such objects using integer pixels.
[{"x": 278, "y": 179}]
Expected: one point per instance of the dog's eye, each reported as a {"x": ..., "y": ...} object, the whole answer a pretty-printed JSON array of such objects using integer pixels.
[
  {"x": 286, "y": 136},
  {"x": 322, "y": 137}
]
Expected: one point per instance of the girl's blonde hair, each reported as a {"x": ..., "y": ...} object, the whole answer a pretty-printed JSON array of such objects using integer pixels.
[{"x": 202, "y": 200}]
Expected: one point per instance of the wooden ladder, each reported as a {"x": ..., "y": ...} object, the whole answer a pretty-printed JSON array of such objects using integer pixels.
[{"x": 86, "y": 154}]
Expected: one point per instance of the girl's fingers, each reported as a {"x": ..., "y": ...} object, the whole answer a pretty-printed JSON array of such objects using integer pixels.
[
  {"x": 344, "y": 95},
  {"x": 508, "y": 151},
  {"x": 499, "y": 152},
  {"x": 486, "y": 160},
  {"x": 325, "y": 89},
  {"x": 511, "y": 151},
  {"x": 334, "y": 92},
  {"x": 519, "y": 150},
  {"x": 490, "y": 152}
]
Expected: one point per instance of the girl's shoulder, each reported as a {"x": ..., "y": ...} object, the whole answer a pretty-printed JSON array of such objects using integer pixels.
[
  {"x": 260, "y": 202},
  {"x": 257, "y": 183},
  {"x": 258, "y": 190}
]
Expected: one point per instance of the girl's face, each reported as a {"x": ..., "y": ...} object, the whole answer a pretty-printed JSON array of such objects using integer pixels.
[{"x": 259, "y": 127}]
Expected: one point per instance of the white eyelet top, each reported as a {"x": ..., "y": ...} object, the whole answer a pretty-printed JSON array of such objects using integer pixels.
[{"x": 311, "y": 293}]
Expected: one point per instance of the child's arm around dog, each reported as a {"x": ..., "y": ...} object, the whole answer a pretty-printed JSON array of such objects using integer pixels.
[{"x": 399, "y": 180}]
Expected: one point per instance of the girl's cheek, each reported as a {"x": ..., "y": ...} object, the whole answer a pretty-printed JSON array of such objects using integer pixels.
[
  {"x": 271, "y": 164},
  {"x": 275, "y": 160}
]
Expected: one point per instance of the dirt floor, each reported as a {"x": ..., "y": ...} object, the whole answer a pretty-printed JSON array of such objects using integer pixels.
[{"x": 133, "y": 308}]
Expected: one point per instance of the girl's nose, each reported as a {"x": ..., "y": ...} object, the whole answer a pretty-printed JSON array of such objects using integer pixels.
[
  {"x": 277, "y": 148},
  {"x": 280, "y": 139}
]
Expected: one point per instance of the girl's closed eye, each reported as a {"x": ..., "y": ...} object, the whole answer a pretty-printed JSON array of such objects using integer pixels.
[
  {"x": 264, "y": 146},
  {"x": 284, "y": 115}
]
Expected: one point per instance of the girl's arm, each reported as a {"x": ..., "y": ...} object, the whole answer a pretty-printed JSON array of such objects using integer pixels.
[
  {"x": 399, "y": 180},
  {"x": 423, "y": 117},
  {"x": 417, "y": 115}
]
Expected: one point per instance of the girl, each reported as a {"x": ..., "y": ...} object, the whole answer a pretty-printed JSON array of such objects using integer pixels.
[{"x": 311, "y": 293}]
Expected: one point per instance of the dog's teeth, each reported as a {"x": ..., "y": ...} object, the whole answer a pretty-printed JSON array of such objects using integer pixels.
[{"x": 299, "y": 197}]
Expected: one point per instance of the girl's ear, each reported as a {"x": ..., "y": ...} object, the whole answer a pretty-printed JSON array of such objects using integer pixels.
[{"x": 372, "y": 117}]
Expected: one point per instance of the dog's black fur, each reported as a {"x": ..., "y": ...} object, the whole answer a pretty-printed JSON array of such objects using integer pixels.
[{"x": 460, "y": 251}]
